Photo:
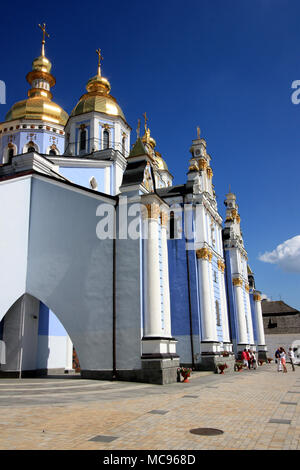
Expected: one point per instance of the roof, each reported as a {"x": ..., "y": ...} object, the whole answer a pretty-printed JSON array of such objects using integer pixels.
[
  {"x": 278, "y": 307},
  {"x": 134, "y": 173},
  {"x": 172, "y": 191}
]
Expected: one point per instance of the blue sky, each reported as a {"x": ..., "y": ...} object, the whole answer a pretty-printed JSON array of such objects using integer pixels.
[{"x": 225, "y": 65}]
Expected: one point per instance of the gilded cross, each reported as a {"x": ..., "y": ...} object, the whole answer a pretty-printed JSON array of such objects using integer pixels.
[
  {"x": 100, "y": 57},
  {"x": 146, "y": 119},
  {"x": 43, "y": 28}
]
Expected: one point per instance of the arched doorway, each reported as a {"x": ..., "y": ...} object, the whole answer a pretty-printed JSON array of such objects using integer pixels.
[{"x": 34, "y": 342}]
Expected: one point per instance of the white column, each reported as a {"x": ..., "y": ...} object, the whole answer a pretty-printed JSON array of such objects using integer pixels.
[
  {"x": 152, "y": 325},
  {"x": 164, "y": 247},
  {"x": 251, "y": 334},
  {"x": 200, "y": 224},
  {"x": 259, "y": 320},
  {"x": 225, "y": 320},
  {"x": 241, "y": 318},
  {"x": 209, "y": 332},
  {"x": 69, "y": 353}
]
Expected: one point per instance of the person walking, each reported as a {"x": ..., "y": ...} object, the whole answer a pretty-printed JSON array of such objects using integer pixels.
[
  {"x": 253, "y": 360},
  {"x": 248, "y": 358},
  {"x": 244, "y": 357},
  {"x": 278, "y": 360},
  {"x": 291, "y": 358},
  {"x": 283, "y": 359}
]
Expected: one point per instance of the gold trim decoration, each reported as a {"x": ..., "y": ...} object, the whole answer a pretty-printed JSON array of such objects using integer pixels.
[
  {"x": 238, "y": 219},
  {"x": 193, "y": 165},
  {"x": 164, "y": 218},
  {"x": 237, "y": 282},
  {"x": 247, "y": 288},
  {"x": 153, "y": 210},
  {"x": 221, "y": 265},
  {"x": 257, "y": 298},
  {"x": 209, "y": 172},
  {"x": 202, "y": 163},
  {"x": 234, "y": 213},
  {"x": 204, "y": 253}
]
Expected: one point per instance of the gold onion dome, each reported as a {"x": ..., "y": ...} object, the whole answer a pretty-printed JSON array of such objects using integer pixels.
[
  {"x": 39, "y": 104},
  {"x": 97, "y": 97},
  {"x": 161, "y": 162}
]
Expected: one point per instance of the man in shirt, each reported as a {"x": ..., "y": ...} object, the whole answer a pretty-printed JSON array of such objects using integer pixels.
[{"x": 291, "y": 357}]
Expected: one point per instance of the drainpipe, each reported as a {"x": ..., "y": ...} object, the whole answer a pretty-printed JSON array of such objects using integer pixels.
[{"x": 114, "y": 355}]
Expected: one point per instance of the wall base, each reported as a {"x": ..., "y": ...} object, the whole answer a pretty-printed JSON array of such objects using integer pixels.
[
  {"x": 208, "y": 362},
  {"x": 31, "y": 374},
  {"x": 158, "y": 371}
]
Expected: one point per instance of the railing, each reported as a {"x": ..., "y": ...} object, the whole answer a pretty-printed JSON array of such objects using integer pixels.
[{"x": 94, "y": 145}]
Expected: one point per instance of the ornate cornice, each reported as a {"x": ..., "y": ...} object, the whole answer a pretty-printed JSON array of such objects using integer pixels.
[
  {"x": 257, "y": 297},
  {"x": 152, "y": 211},
  {"x": 204, "y": 253},
  {"x": 237, "y": 282}
]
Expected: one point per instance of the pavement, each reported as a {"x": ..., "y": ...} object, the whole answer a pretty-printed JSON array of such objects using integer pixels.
[{"x": 254, "y": 409}]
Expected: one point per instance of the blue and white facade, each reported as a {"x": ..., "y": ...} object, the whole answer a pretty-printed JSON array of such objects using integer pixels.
[{"x": 167, "y": 284}]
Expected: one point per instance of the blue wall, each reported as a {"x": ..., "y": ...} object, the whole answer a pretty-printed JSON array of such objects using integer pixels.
[{"x": 49, "y": 325}]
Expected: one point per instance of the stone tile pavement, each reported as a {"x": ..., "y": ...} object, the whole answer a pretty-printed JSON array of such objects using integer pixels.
[{"x": 254, "y": 409}]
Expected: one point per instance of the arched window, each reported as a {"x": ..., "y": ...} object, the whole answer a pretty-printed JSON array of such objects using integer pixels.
[
  {"x": 82, "y": 143},
  {"x": 105, "y": 139},
  {"x": 30, "y": 149},
  {"x": 10, "y": 153},
  {"x": 218, "y": 313},
  {"x": 124, "y": 145},
  {"x": 52, "y": 152},
  {"x": 172, "y": 226}
]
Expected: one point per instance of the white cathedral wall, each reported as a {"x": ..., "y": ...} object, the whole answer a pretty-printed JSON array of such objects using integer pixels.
[
  {"x": 14, "y": 226},
  {"x": 70, "y": 269}
]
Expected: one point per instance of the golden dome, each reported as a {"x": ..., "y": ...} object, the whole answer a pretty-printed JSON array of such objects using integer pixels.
[
  {"x": 161, "y": 162},
  {"x": 42, "y": 64},
  {"x": 39, "y": 104},
  {"x": 38, "y": 108},
  {"x": 101, "y": 103},
  {"x": 97, "y": 97}
]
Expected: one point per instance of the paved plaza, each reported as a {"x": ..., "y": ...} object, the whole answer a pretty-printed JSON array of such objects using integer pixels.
[{"x": 254, "y": 409}]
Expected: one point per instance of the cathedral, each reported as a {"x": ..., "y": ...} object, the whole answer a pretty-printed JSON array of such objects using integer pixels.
[{"x": 107, "y": 268}]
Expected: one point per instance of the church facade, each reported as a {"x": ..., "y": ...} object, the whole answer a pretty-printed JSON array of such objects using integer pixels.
[{"x": 103, "y": 259}]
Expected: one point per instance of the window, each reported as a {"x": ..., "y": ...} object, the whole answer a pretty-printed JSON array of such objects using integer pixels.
[
  {"x": 105, "y": 139},
  {"x": 218, "y": 313},
  {"x": 215, "y": 276},
  {"x": 82, "y": 144},
  {"x": 52, "y": 152},
  {"x": 10, "y": 153},
  {"x": 172, "y": 226},
  {"x": 123, "y": 145},
  {"x": 30, "y": 149}
]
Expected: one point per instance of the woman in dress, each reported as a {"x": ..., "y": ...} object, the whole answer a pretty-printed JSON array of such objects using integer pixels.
[{"x": 283, "y": 359}]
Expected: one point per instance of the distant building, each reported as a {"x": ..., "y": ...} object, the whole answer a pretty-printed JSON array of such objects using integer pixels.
[{"x": 281, "y": 324}]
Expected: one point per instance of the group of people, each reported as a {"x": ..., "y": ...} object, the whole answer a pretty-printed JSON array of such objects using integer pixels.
[
  {"x": 249, "y": 359},
  {"x": 280, "y": 359}
]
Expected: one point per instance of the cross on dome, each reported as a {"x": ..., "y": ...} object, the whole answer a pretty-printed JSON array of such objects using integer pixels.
[
  {"x": 100, "y": 57},
  {"x": 43, "y": 28}
]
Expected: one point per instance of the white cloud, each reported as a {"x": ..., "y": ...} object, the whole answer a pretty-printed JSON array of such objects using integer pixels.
[{"x": 286, "y": 255}]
